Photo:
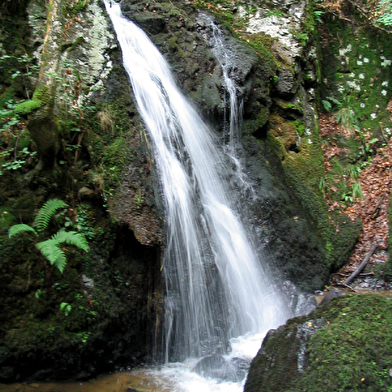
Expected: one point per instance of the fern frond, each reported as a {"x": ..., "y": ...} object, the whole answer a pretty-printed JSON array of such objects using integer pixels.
[
  {"x": 20, "y": 228},
  {"x": 71, "y": 238},
  {"x": 46, "y": 212},
  {"x": 52, "y": 252}
]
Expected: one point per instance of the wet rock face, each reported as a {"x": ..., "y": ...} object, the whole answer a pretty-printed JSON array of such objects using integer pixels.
[{"x": 276, "y": 102}]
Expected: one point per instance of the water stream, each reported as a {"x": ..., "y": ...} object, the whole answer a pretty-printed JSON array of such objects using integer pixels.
[{"x": 220, "y": 301}]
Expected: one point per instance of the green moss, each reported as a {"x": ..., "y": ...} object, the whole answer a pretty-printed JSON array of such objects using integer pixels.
[
  {"x": 27, "y": 107},
  {"x": 299, "y": 126},
  {"x": 347, "y": 349},
  {"x": 252, "y": 126},
  {"x": 353, "y": 352},
  {"x": 261, "y": 43},
  {"x": 172, "y": 44},
  {"x": 43, "y": 95},
  {"x": 303, "y": 170}
]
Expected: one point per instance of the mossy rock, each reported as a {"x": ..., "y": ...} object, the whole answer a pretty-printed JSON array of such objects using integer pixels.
[{"x": 342, "y": 346}]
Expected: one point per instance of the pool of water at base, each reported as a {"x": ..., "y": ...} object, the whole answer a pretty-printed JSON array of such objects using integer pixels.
[
  {"x": 175, "y": 377},
  {"x": 172, "y": 378}
]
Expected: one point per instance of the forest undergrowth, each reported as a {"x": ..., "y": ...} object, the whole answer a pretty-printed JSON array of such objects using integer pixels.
[{"x": 369, "y": 179}]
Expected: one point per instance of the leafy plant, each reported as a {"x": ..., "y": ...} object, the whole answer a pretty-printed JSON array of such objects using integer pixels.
[
  {"x": 347, "y": 119},
  {"x": 66, "y": 308},
  {"x": 384, "y": 10},
  {"x": 357, "y": 190},
  {"x": 327, "y": 103},
  {"x": 353, "y": 171},
  {"x": 347, "y": 197},
  {"x": 317, "y": 16},
  {"x": 322, "y": 184},
  {"x": 51, "y": 248},
  {"x": 46, "y": 213}
]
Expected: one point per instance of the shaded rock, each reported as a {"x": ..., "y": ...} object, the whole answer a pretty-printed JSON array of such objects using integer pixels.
[
  {"x": 333, "y": 293},
  {"x": 87, "y": 282},
  {"x": 300, "y": 303},
  {"x": 85, "y": 192},
  {"x": 242, "y": 366},
  {"x": 287, "y": 84},
  {"x": 215, "y": 366},
  {"x": 7, "y": 373}
]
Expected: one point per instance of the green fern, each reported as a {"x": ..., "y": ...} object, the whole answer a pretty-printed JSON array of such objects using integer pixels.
[
  {"x": 51, "y": 248},
  {"x": 53, "y": 253},
  {"x": 71, "y": 238},
  {"x": 21, "y": 228},
  {"x": 46, "y": 213}
]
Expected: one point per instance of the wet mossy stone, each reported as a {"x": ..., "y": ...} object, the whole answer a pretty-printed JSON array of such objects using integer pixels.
[{"x": 342, "y": 346}]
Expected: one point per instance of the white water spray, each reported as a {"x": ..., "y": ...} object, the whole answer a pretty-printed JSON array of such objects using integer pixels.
[{"x": 216, "y": 287}]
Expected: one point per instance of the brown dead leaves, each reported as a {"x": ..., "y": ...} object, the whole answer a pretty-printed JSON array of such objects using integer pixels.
[{"x": 374, "y": 179}]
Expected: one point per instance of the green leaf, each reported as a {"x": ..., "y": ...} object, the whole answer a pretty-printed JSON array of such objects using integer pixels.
[
  {"x": 71, "y": 238},
  {"x": 52, "y": 252},
  {"x": 46, "y": 213},
  {"x": 20, "y": 228}
]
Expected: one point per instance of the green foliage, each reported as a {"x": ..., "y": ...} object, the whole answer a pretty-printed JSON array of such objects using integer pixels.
[
  {"x": 353, "y": 171},
  {"x": 300, "y": 36},
  {"x": 318, "y": 15},
  {"x": 347, "y": 119},
  {"x": 71, "y": 238},
  {"x": 357, "y": 190},
  {"x": 299, "y": 126},
  {"x": 46, "y": 213},
  {"x": 384, "y": 10},
  {"x": 277, "y": 13},
  {"x": 51, "y": 248},
  {"x": 82, "y": 222},
  {"x": 322, "y": 184},
  {"x": 352, "y": 193},
  {"x": 53, "y": 253},
  {"x": 20, "y": 228},
  {"x": 327, "y": 103},
  {"x": 15, "y": 164},
  {"x": 66, "y": 308},
  {"x": 74, "y": 7}
]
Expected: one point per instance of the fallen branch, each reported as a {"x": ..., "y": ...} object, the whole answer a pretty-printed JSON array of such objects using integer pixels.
[
  {"x": 362, "y": 265},
  {"x": 378, "y": 207}
]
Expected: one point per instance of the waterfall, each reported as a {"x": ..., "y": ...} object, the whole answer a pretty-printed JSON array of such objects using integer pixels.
[
  {"x": 225, "y": 58},
  {"x": 233, "y": 102},
  {"x": 216, "y": 286}
]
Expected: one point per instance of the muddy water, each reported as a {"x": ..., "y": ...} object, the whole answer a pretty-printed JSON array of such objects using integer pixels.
[{"x": 115, "y": 382}]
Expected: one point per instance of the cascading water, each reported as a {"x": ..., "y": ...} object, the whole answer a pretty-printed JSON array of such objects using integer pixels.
[
  {"x": 225, "y": 59},
  {"x": 234, "y": 104},
  {"x": 216, "y": 288}
]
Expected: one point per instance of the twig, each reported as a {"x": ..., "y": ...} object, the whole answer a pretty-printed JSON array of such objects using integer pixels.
[
  {"x": 348, "y": 287},
  {"x": 366, "y": 274},
  {"x": 362, "y": 265},
  {"x": 378, "y": 207}
]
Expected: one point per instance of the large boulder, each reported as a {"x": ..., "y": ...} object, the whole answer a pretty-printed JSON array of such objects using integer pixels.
[{"x": 344, "y": 345}]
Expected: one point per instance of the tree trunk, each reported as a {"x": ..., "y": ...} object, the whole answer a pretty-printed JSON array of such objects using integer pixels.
[{"x": 41, "y": 123}]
